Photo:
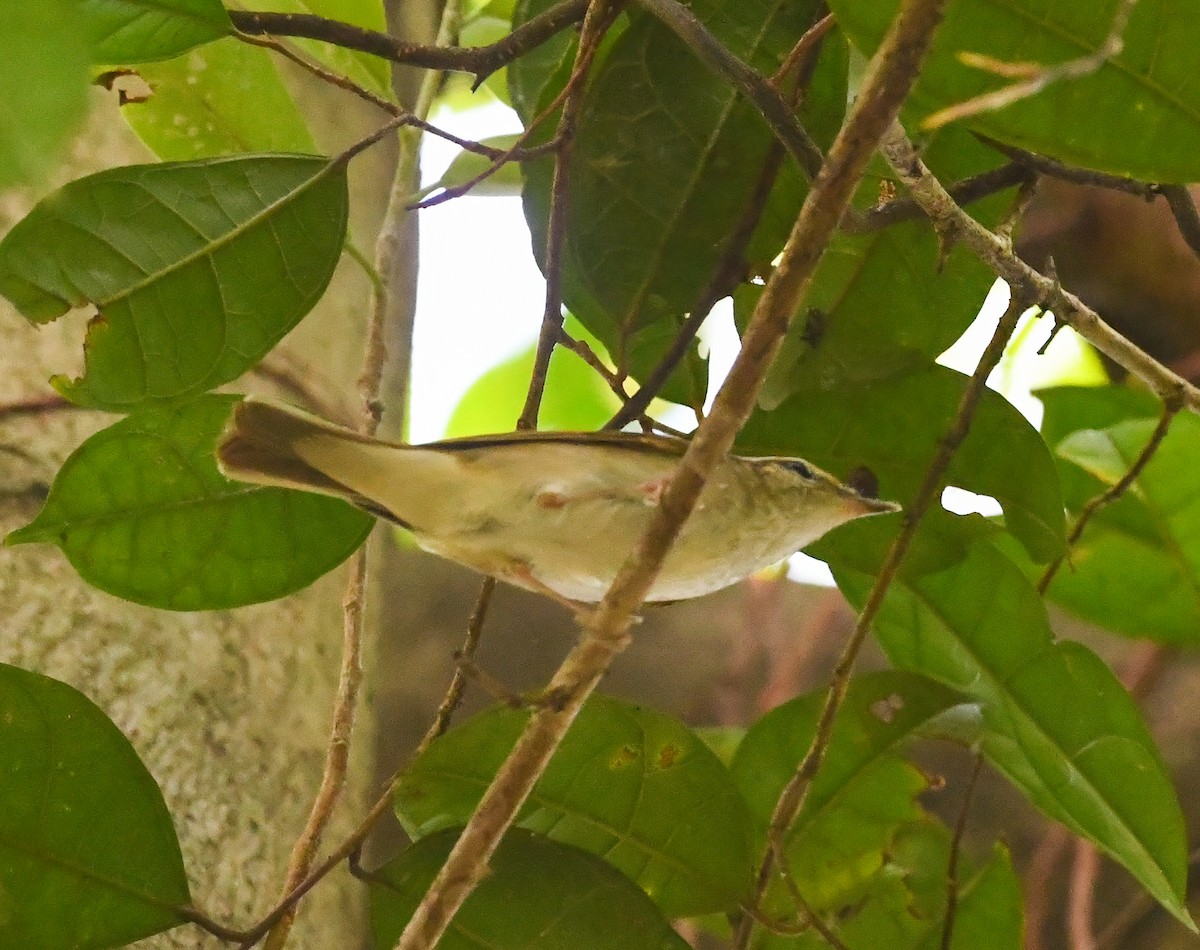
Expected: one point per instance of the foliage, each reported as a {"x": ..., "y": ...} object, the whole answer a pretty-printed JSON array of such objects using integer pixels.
[{"x": 194, "y": 267}]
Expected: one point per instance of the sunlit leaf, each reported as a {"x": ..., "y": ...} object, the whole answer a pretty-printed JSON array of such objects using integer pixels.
[
  {"x": 575, "y": 399},
  {"x": 629, "y": 784},
  {"x": 197, "y": 269},
  {"x": 538, "y": 895},
  {"x": 88, "y": 854},
  {"x": 141, "y": 511}
]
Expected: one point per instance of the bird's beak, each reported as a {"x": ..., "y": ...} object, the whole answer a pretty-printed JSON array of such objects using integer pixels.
[{"x": 856, "y": 506}]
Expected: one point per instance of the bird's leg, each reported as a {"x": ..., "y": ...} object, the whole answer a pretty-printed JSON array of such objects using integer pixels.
[{"x": 520, "y": 574}]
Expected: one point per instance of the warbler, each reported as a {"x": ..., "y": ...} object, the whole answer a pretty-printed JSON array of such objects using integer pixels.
[{"x": 553, "y": 512}]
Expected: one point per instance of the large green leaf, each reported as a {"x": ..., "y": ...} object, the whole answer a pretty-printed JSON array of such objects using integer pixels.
[
  {"x": 220, "y": 100},
  {"x": 629, "y": 784},
  {"x": 197, "y": 269},
  {"x": 886, "y": 303},
  {"x": 124, "y": 32},
  {"x": 43, "y": 84},
  {"x": 88, "y": 855},
  {"x": 1056, "y": 721},
  {"x": 865, "y": 790},
  {"x": 1138, "y": 115},
  {"x": 141, "y": 511},
  {"x": 664, "y": 165},
  {"x": 893, "y": 426},
  {"x": 540, "y": 895}
]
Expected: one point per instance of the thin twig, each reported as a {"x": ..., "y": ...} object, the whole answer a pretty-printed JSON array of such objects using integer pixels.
[
  {"x": 960, "y": 829},
  {"x": 1183, "y": 207},
  {"x": 344, "y": 82},
  {"x": 1037, "y": 77},
  {"x": 481, "y": 61},
  {"x": 502, "y": 158},
  {"x": 354, "y": 842},
  {"x": 1052, "y": 167},
  {"x": 1081, "y": 896},
  {"x": 765, "y": 97},
  {"x": 37, "y": 406},
  {"x": 1025, "y": 281},
  {"x": 799, "y": 54},
  {"x": 370, "y": 384},
  {"x": 792, "y": 799},
  {"x": 1041, "y": 883},
  {"x": 888, "y": 80},
  {"x": 599, "y": 18},
  {"x": 730, "y": 268},
  {"x": 325, "y": 75},
  {"x": 1116, "y": 490},
  {"x": 728, "y": 273},
  {"x": 964, "y": 192}
]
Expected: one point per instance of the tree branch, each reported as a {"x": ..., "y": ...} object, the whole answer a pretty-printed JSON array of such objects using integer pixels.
[
  {"x": 766, "y": 98},
  {"x": 481, "y": 61},
  {"x": 792, "y": 799},
  {"x": 957, "y": 225},
  {"x": 1115, "y": 491},
  {"x": 599, "y": 18},
  {"x": 606, "y": 632}
]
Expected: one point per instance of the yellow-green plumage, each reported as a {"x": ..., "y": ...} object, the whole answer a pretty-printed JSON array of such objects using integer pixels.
[{"x": 559, "y": 511}]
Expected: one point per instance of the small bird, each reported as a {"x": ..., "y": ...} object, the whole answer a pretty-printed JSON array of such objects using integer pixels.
[{"x": 553, "y": 512}]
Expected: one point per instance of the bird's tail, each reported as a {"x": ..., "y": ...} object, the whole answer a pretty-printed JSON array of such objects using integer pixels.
[{"x": 270, "y": 444}]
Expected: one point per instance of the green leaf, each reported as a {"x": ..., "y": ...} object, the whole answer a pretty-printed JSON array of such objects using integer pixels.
[
  {"x": 220, "y": 100},
  {"x": 643, "y": 235},
  {"x": 141, "y": 511},
  {"x": 865, "y": 790},
  {"x": 536, "y": 78},
  {"x": 842, "y": 336},
  {"x": 629, "y": 784},
  {"x": 197, "y": 269},
  {"x": 1141, "y": 564},
  {"x": 88, "y": 855},
  {"x": 575, "y": 400},
  {"x": 1137, "y": 115},
  {"x": 143, "y": 31},
  {"x": 368, "y": 71},
  {"x": 893, "y": 426},
  {"x": 539, "y": 895},
  {"x": 1056, "y": 721},
  {"x": 904, "y": 905},
  {"x": 43, "y": 85},
  {"x": 1127, "y": 573}
]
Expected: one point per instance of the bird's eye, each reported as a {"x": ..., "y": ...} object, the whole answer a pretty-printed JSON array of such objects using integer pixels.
[{"x": 799, "y": 467}]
